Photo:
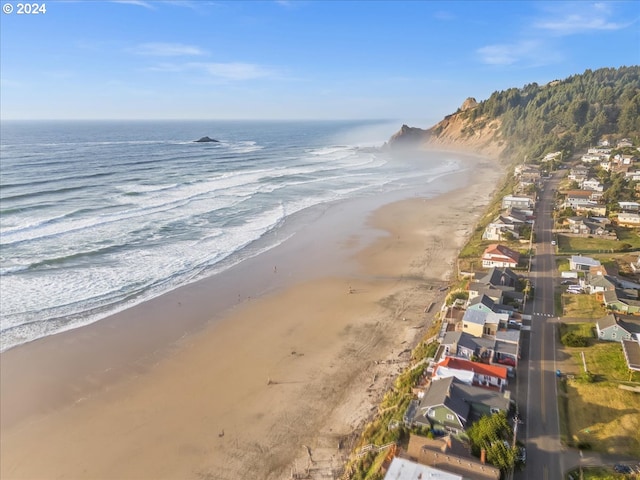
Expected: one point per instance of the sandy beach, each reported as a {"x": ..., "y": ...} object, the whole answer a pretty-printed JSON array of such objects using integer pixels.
[{"x": 268, "y": 378}]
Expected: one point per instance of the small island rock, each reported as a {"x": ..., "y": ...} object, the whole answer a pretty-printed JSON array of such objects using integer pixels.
[{"x": 207, "y": 140}]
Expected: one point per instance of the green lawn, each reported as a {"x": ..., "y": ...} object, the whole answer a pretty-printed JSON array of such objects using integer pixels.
[
  {"x": 583, "y": 329},
  {"x": 600, "y": 414},
  {"x": 595, "y": 473},
  {"x": 628, "y": 240},
  {"x": 582, "y": 306},
  {"x": 606, "y": 359}
]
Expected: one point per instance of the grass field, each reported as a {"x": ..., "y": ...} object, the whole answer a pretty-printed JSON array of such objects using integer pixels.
[
  {"x": 583, "y": 329},
  {"x": 599, "y": 413},
  {"x": 595, "y": 473},
  {"x": 627, "y": 240},
  {"x": 582, "y": 306}
]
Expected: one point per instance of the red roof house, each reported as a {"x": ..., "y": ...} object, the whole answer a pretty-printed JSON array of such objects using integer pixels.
[
  {"x": 484, "y": 375},
  {"x": 496, "y": 255}
]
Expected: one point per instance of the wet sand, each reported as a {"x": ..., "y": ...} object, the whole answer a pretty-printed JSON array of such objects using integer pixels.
[{"x": 287, "y": 354}]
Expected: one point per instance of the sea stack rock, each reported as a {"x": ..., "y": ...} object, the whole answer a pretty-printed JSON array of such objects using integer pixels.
[
  {"x": 207, "y": 140},
  {"x": 407, "y": 136}
]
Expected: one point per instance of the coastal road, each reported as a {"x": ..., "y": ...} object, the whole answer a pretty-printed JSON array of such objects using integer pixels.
[{"x": 537, "y": 387}]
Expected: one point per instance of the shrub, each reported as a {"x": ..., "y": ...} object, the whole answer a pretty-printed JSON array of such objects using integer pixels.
[{"x": 572, "y": 340}]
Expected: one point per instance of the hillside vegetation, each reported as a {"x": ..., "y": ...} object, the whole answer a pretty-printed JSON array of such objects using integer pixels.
[{"x": 563, "y": 115}]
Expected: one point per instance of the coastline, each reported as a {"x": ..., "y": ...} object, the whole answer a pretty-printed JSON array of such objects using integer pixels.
[{"x": 300, "y": 364}]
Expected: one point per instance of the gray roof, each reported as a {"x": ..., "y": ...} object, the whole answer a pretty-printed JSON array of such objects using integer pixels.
[
  {"x": 443, "y": 392},
  {"x": 606, "y": 322},
  {"x": 510, "y": 336},
  {"x": 475, "y": 316},
  {"x": 631, "y": 350},
  {"x": 451, "y": 338},
  {"x": 507, "y": 348},
  {"x": 630, "y": 324},
  {"x": 500, "y": 277},
  {"x": 476, "y": 343},
  {"x": 485, "y": 289},
  {"x": 471, "y": 394},
  {"x": 484, "y": 299},
  {"x": 580, "y": 260},
  {"x": 600, "y": 281}
]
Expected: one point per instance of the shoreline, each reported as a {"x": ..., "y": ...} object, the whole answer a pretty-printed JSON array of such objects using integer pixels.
[{"x": 301, "y": 363}]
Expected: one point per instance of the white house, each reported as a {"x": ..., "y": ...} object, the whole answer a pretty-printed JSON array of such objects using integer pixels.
[{"x": 578, "y": 262}]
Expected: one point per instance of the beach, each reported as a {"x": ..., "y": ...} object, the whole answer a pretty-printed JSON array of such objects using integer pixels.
[{"x": 271, "y": 369}]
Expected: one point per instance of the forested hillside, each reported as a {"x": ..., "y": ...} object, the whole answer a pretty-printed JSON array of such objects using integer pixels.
[{"x": 567, "y": 115}]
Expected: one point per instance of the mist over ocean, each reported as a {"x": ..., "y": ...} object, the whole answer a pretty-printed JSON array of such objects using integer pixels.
[{"x": 98, "y": 216}]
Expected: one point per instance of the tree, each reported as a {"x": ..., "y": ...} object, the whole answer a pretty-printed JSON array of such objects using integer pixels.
[{"x": 493, "y": 434}]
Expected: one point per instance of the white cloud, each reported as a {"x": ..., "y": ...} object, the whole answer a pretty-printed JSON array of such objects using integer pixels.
[
  {"x": 569, "y": 19},
  {"x": 138, "y": 3},
  {"x": 504, "y": 54},
  {"x": 234, "y": 70},
  {"x": 219, "y": 71},
  {"x": 577, "y": 23},
  {"x": 167, "y": 50}
]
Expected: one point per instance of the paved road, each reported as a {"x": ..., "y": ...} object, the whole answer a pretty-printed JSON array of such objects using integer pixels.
[
  {"x": 536, "y": 386},
  {"x": 536, "y": 389}
]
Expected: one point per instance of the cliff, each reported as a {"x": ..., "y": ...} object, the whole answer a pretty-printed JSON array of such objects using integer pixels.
[
  {"x": 566, "y": 115},
  {"x": 458, "y": 131}
]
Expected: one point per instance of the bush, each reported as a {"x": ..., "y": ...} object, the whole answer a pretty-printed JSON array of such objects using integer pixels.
[
  {"x": 586, "y": 377},
  {"x": 572, "y": 340}
]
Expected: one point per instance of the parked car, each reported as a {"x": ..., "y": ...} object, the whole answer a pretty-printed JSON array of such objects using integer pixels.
[{"x": 620, "y": 468}]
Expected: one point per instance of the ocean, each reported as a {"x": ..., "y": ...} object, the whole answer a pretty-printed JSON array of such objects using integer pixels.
[{"x": 98, "y": 216}]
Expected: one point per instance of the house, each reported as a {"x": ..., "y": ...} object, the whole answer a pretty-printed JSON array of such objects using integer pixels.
[
  {"x": 629, "y": 207},
  {"x": 449, "y": 454},
  {"x": 575, "y": 198},
  {"x": 583, "y": 264},
  {"x": 598, "y": 283},
  {"x": 616, "y": 327},
  {"x": 496, "y": 255},
  {"x": 633, "y": 175},
  {"x": 578, "y": 171},
  {"x": 478, "y": 322},
  {"x": 450, "y": 405},
  {"x": 502, "y": 228},
  {"x": 510, "y": 201},
  {"x": 472, "y": 373},
  {"x": 631, "y": 351},
  {"x": 592, "y": 184},
  {"x": 590, "y": 158},
  {"x": 402, "y": 469},
  {"x": 591, "y": 207},
  {"x": 486, "y": 303},
  {"x": 506, "y": 350},
  {"x": 500, "y": 284},
  {"x": 585, "y": 226},
  {"x": 629, "y": 219},
  {"x": 552, "y": 156},
  {"x": 464, "y": 345},
  {"x": 501, "y": 277},
  {"x": 622, "y": 301},
  {"x": 478, "y": 289},
  {"x": 625, "y": 142}
]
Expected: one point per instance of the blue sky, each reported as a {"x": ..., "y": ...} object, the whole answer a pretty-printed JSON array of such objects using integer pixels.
[{"x": 412, "y": 61}]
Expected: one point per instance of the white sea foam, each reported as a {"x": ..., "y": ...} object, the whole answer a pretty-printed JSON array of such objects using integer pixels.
[{"x": 164, "y": 212}]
